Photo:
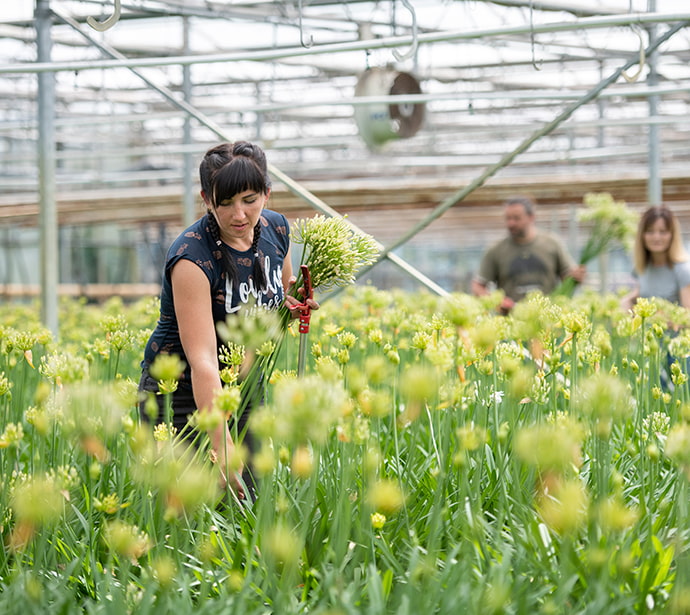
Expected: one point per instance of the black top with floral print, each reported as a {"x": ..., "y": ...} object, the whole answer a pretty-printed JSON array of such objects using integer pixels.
[{"x": 196, "y": 244}]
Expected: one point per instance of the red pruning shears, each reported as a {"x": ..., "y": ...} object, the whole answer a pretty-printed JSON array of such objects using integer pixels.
[{"x": 304, "y": 318}]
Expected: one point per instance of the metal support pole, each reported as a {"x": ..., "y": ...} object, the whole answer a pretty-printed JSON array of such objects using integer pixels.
[
  {"x": 187, "y": 163},
  {"x": 46, "y": 172},
  {"x": 654, "y": 182}
]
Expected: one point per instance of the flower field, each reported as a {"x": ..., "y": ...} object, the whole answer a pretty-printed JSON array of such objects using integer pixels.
[{"x": 434, "y": 458}]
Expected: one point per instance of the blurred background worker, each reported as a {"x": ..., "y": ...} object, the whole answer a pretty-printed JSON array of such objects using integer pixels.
[
  {"x": 661, "y": 263},
  {"x": 527, "y": 259}
]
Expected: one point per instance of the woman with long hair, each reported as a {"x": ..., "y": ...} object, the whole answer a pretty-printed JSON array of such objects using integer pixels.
[
  {"x": 232, "y": 260},
  {"x": 661, "y": 263}
]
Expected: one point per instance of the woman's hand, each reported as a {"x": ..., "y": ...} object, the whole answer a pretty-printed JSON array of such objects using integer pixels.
[
  {"x": 295, "y": 305},
  {"x": 224, "y": 455}
]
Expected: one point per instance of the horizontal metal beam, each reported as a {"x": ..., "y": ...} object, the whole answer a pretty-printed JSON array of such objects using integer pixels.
[{"x": 382, "y": 43}]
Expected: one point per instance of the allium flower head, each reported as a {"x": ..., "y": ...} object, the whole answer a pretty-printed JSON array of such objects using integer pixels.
[
  {"x": 378, "y": 520},
  {"x": 37, "y": 501},
  {"x": 534, "y": 317},
  {"x": 385, "y": 497},
  {"x": 656, "y": 423},
  {"x": 441, "y": 354},
  {"x": 194, "y": 486},
  {"x": 227, "y": 400},
  {"x": 207, "y": 420},
  {"x": 614, "y": 516},
  {"x": 109, "y": 504},
  {"x": 38, "y": 418},
  {"x": 12, "y": 436},
  {"x": 677, "y": 447},
  {"x": 645, "y": 307},
  {"x": 164, "y": 570},
  {"x": 127, "y": 540},
  {"x": 471, "y": 437},
  {"x": 64, "y": 368},
  {"x": 231, "y": 355},
  {"x": 92, "y": 409},
  {"x": 565, "y": 510},
  {"x": 5, "y": 384},
  {"x": 24, "y": 341},
  {"x": 347, "y": 339},
  {"x": 550, "y": 446},
  {"x": 302, "y": 464},
  {"x": 604, "y": 396},
  {"x": 421, "y": 340},
  {"x": 375, "y": 402},
  {"x": 418, "y": 387},
  {"x": 679, "y": 346},
  {"x": 678, "y": 376},
  {"x": 181, "y": 480},
  {"x": 462, "y": 310},
  {"x": 378, "y": 370},
  {"x": 167, "y": 367},
  {"x": 576, "y": 322},
  {"x": 303, "y": 410},
  {"x": 282, "y": 546},
  {"x": 333, "y": 250},
  {"x": 487, "y": 332},
  {"x": 164, "y": 432}
]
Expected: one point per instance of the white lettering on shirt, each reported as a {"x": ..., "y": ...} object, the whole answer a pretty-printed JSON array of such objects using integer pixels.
[{"x": 269, "y": 299}]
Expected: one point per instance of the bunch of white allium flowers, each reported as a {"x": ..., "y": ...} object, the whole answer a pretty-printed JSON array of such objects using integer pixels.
[{"x": 333, "y": 250}]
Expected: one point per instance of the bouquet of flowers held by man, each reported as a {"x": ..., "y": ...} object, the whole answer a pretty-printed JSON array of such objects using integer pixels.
[{"x": 611, "y": 221}]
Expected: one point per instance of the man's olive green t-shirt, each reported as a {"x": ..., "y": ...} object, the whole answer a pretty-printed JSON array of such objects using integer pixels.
[{"x": 518, "y": 268}]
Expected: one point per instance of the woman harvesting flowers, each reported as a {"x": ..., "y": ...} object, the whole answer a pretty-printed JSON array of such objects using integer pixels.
[{"x": 235, "y": 257}]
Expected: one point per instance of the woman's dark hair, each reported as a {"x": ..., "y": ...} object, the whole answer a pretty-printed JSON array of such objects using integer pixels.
[{"x": 226, "y": 170}]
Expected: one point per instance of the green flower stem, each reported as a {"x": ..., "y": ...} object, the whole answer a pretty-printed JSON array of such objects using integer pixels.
[{"x": 573, "y": 368}]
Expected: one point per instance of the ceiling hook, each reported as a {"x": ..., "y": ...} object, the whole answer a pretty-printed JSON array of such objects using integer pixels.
[
  {"x": 301, "y": 30},
  {"x": 535, "y": 64},
  {"x": 643, "y": 58},
  {"x": 102, "y": 26},
  {"x": 412, "y": 50}
]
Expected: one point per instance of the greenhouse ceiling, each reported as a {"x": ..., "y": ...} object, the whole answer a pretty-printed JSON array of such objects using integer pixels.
[{"x": 350, "y": 92}]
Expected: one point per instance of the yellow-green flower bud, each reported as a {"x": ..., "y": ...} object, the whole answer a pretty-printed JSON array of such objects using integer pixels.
[{"x": 167, "y": 367}]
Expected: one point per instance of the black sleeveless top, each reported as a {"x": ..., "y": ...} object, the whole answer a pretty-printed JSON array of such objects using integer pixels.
[{"x": 196, "y": 244}]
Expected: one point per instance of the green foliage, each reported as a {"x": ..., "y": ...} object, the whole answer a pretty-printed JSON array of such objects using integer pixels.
[{"x": 426, "y": 462}]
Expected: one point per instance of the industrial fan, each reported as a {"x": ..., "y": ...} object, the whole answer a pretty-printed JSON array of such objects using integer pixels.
[{"x": 379, "y": 122}]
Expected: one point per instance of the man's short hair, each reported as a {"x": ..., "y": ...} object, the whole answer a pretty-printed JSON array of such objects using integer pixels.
[{"x": 527, "y": 202}]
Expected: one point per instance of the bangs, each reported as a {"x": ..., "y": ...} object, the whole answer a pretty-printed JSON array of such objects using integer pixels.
[
  {"x": 657, "y": 213},
  {"x": 238, "y": 175}
]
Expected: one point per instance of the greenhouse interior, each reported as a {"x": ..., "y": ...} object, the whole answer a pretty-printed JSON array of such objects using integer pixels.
[
  {"x": 188, "y": 428},
  {"x": 414, "y": 119}
]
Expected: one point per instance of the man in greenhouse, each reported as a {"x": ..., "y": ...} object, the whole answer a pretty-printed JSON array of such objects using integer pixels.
[{"x": 528, "y": 259}]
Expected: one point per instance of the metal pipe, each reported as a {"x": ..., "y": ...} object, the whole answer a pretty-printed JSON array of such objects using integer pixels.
[
  {"x": 620, "y": 92},
  {"x": 46, "y": 172},
  {"x": 382, "y": 43},
  {"x": 654, "y": 187},
  {"x": 187, "y": 164},
  {"x": 474, "y": 97}
]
